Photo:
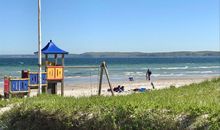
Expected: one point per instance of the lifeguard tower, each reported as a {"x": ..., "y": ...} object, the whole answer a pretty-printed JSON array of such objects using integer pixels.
[{"x": 53, "y": 69}]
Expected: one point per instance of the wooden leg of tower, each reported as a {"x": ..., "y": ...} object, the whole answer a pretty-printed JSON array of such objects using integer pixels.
[
  {"x": 29, "y": 92},
  {"x": 62, "y": 88},
  {"x": 9, "y": 95},
  {"x": 45, "y": 89},
  {"x": 55, "y": 88}
]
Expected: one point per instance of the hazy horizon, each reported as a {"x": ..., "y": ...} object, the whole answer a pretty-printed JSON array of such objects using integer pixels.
[{"x": 122, "y": 52}]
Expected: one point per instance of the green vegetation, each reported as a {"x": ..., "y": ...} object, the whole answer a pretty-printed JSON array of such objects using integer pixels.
[
  {"x": 4, "y": 103},
  {"x": 188, "y": 107}
]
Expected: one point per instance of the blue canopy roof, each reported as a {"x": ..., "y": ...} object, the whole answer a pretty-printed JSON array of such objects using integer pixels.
[{"x": 51, "y": 48}]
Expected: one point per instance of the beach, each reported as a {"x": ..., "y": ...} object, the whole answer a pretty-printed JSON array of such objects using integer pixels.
[
  {"x": 86, "y": 89},
  {"x": 175, "y": 71}
]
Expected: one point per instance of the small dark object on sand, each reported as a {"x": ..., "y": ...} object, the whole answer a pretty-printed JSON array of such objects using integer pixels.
[{"x": 118, "y": 89}]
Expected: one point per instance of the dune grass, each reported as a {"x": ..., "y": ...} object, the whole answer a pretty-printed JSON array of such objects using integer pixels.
[
  {"x": 187, "y": 107},
  {"x": 6, "y": 102}
]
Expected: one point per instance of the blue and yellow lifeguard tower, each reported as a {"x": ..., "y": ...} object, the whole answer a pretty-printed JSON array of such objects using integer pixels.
[
  {"x": 54, "y": 74},
  {"x": 53, "y": 69}
]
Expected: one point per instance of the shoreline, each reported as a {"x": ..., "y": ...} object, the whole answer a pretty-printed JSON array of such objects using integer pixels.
[{"x": 86, "y": 89}]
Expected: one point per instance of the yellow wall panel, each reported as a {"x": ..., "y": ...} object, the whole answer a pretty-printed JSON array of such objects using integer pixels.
[
  {"x": 59, "y": 73},
  {"x": 50, "y": 73}
]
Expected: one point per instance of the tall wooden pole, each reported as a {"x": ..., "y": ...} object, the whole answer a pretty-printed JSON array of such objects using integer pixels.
[
  {"x": 100, "y": 79},
  {"x": 39, "y": 48}
]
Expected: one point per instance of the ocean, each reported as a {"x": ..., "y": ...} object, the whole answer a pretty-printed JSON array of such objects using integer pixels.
[{"x": 120, "y": 69}]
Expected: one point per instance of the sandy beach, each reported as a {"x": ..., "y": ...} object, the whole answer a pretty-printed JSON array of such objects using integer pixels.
[
  {"x": 91, "y": 89},
  {"x": 86, "y": 89}
]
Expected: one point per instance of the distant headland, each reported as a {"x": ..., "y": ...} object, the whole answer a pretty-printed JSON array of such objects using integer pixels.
[
  {"x": 144, "y": 55},
  {"x": 129, "y": 54}
]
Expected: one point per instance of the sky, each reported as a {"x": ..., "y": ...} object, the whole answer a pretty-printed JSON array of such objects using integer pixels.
[{"x": 79, "y": 26}]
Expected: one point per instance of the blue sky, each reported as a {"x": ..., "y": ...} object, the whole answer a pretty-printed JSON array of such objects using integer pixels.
[{"x": 81, "y": 26}]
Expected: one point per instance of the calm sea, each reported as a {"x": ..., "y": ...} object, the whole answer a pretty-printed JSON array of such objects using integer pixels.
[{"x": 121, "y": 68}]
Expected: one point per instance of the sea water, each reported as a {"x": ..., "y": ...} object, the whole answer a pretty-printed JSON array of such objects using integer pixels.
[{"x": 120, "y": 69}]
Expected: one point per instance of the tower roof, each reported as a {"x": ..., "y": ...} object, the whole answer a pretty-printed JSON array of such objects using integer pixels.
[{"x": 51, "y": 48}]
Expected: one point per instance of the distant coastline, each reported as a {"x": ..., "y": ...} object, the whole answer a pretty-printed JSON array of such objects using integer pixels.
[{"x": 128, "y": 54}]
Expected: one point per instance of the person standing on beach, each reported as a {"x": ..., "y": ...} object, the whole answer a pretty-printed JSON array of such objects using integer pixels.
[{"x": 148, "y": 74}]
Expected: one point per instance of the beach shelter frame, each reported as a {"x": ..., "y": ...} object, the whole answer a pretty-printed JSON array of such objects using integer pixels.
[{"x": 104, "y": 69}]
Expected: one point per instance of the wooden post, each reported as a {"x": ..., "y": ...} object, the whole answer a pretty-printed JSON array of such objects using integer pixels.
[
  {"x": 46, "y": 64},
  {"x": 29, "y": 92},
  {"x": 55, "y": 57},
  {"x": 62, "y": 82},
  {"x": 107, "y": 76},
  {"x": 9, "y": 91},
  {"x": 62, "y": 88},
  {"x": 100, "y": 79},
  {"x": 55, "y": 88},
  {"x": 46, "y": 60},
  {"x": 62, "y": 59}
]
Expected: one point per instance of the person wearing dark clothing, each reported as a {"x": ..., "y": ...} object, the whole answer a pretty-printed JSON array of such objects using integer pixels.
[
  {"x": 116, "y": 89},
  {"x": 131, "y": 79},
  {"x": 148, "y": 74},
  {"x": 121, "y": 89}
]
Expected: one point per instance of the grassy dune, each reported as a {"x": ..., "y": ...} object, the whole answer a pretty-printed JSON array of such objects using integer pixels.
[{"x": 188, "y": 107}]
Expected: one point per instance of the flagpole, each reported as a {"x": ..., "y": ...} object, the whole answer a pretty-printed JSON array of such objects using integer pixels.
[{"x": 39, "y": 48}]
